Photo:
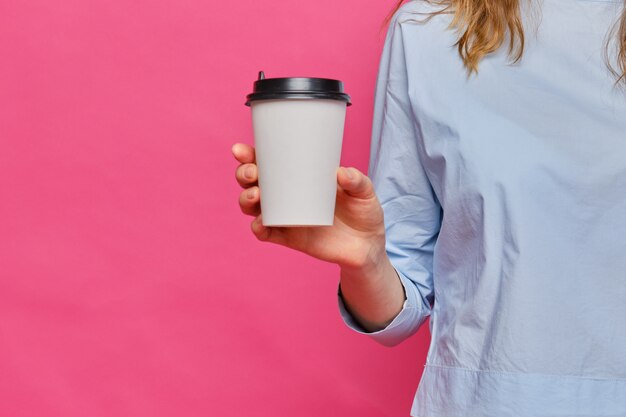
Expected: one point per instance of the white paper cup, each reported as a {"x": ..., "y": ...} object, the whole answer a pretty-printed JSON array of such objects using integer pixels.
[{"x": 298, "y": 142}]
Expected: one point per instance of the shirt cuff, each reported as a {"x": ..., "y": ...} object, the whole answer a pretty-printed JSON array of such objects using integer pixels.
[{"x": 404, "y": 324}]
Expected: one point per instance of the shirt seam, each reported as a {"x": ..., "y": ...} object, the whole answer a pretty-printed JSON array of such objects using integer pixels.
[{"x": 524, "y": 373}]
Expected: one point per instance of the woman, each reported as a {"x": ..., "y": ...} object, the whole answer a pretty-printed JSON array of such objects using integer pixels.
[{"x": 495, "y": 203}]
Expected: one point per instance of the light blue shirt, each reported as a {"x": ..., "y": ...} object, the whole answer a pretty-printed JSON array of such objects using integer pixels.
[{"x": 505, "y": 211}]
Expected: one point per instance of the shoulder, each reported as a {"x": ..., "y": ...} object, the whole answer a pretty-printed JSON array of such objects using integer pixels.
[
  {"x": 422, "y": 26},
  {"x": 417, "y": 12},
  {"x": 418, "y": 21}
]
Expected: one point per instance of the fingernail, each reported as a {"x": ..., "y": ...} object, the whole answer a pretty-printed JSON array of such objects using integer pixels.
[
  {"x": 349, "y": 173},
  {"x": 251, "y": 193},
  {"x": 248, "y": 172}
]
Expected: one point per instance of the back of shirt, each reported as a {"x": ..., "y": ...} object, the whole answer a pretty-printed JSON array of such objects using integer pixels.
[{"x": 505, "y": 207}]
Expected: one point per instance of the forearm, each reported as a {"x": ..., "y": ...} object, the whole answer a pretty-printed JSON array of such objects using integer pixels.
[{"x": 373, "y": 295}]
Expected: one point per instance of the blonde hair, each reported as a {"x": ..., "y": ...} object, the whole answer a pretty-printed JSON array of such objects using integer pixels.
[{"x": 484, "y": 24}]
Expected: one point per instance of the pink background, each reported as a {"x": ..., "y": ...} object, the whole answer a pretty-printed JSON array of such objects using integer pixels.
[{"x": 130, "y": 283}]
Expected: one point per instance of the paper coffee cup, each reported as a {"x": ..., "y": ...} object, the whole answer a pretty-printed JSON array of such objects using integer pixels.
[{"x": 298, "y": 131}]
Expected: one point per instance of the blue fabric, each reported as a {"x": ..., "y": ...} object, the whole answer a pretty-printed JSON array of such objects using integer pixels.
[{"x": 505, "y": 211}]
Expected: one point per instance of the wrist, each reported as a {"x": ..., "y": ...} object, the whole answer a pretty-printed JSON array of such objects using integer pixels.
[
  {"x": 372, "y": 270},
  {"x": 373, "y": 297}
]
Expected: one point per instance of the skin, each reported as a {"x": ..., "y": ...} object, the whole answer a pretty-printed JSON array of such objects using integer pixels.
[{"x": 370, "y": 286}]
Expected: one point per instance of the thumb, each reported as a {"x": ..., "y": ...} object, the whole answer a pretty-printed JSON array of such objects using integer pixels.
[{"x": 355, "y": 183}]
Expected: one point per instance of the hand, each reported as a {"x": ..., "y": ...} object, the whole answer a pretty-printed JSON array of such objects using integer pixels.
[{"x": 357, "y": 238}]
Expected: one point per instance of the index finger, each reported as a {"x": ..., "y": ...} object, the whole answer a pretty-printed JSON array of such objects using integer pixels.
[{"x": 244, "y": 153}]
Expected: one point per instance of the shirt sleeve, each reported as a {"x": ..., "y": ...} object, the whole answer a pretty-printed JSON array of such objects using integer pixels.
[{"x": 411, "y": 209}]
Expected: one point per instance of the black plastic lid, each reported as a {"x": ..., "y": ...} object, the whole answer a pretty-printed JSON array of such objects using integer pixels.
[{"x": 298, "y": 88}]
